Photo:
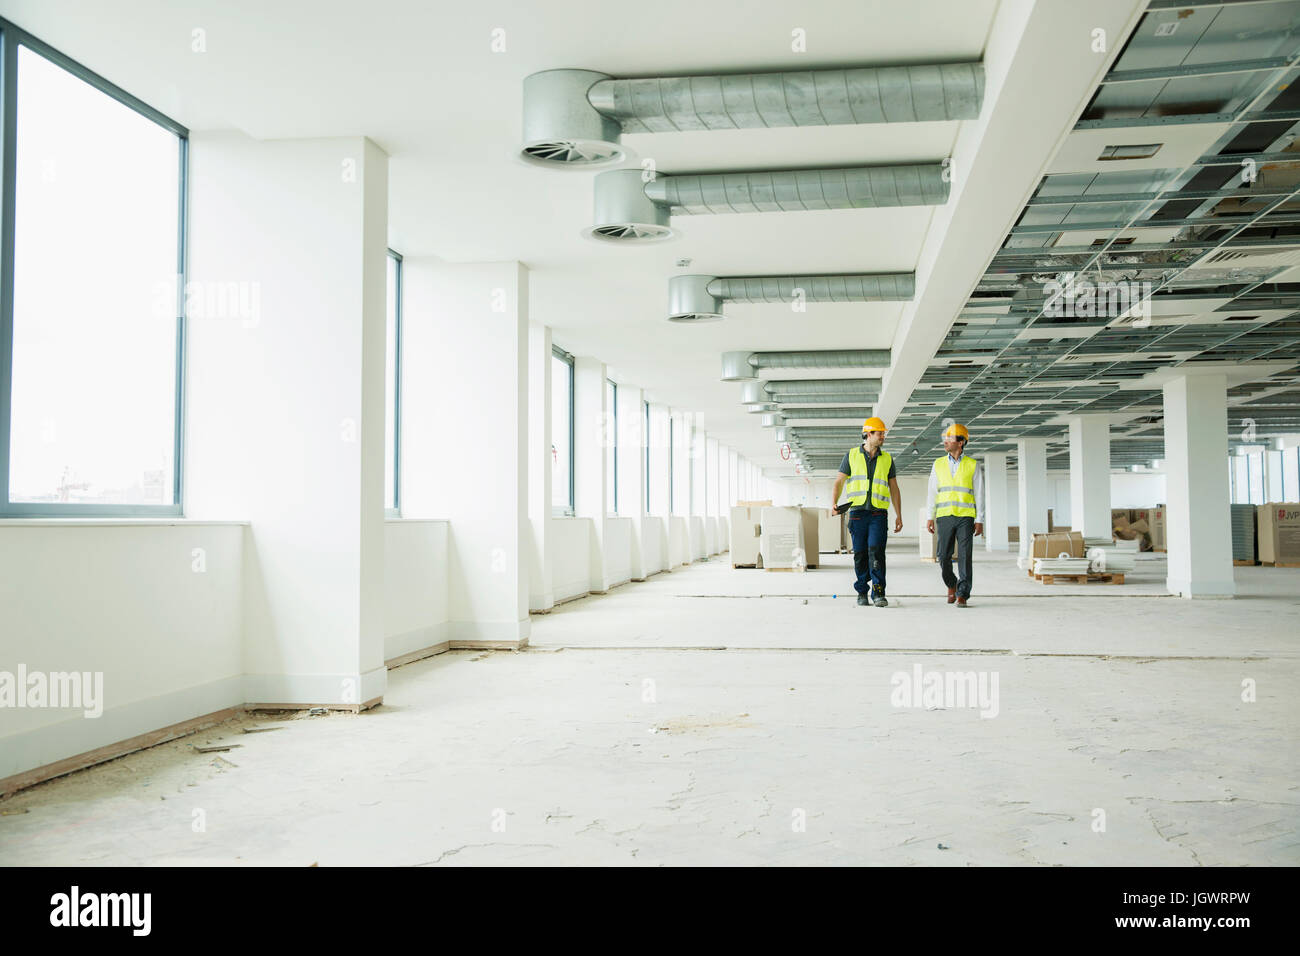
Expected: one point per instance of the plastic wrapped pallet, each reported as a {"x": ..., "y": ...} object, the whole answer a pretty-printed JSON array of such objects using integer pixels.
[
  {"x": 1277, "y": 533},
  {"x": 1243, "y": 533}
]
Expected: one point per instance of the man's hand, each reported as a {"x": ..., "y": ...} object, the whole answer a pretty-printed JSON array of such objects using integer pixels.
[
  {"x": 929, "y": 526},
  {"x": 831, "y": 512},
  {"x": 979, "y": 528},
  {"x": 898, "y": 524}
]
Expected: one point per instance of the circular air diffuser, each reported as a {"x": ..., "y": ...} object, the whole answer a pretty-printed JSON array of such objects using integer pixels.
[
  {"x": 623, "y": 212},
  {"x": 561, "y": 128},
  {"x": 689, "y": 300}
]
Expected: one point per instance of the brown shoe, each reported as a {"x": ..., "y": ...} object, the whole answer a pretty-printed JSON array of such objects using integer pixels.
[
  {"x": 961, "y": 602},
  {"x": 952, "y": 595}
]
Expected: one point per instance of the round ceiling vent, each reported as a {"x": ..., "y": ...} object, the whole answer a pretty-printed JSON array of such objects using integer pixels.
[
  {"x": 630, "y": 232},
  {"x": 689, "y": 300},
  {"x": 571, "y": 153},
  {"x": 561, "y": 128},
  {"x": 696, "y": 317},
  {"x": 622, "y": 211}
]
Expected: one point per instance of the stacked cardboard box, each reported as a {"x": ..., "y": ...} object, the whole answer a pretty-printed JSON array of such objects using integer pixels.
[
  {"x": 1053, "y": 544},
  {"x": 1013, "y": 534},
  {"x": 811, "y": 538},
  {"x": 780, "y": 542},
  {"x": 1278, "y": 533}
]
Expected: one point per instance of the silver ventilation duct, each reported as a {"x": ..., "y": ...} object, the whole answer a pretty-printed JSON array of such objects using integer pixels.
[
  {"x": 743, "y": 366},
  {"x": 774, "y": 420},
  {"x": 574, "y": 118},
  {"x": 827, "y": 388},
  {"x": 629, "y": 208},
  {"x": 856, "y": 413},
  {"x": 695, "y": 298}
]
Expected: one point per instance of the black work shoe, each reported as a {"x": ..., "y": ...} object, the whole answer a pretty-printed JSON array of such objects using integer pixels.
[
  {"x": 879, "y": 601},
  {"x": 863, "y": 601}
]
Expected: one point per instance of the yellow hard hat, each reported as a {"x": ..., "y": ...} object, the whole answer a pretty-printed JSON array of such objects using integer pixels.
[
  {"x": 873, "y": 425},
  {"x": 956, "y": 431}
]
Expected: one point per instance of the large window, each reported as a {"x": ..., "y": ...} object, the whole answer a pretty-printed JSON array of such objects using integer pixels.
[
  {"x": 1291, "y": 474},
  {"x": 649, "y": 443},
  {"x": 393, "y": 387},
  {"x": 92, "y": 279},
  {"x": 561, "y": 432},
  {"x": 611, "y": 446}
]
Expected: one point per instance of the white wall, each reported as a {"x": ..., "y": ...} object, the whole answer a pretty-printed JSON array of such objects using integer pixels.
[
  {"x": 1134, "y": 490},
  {"x": 155, "y": 607},
  {"x": 415, "y": 585},
  {"x": 617, "y": 551},
  {"x": 570, "y": 540}
]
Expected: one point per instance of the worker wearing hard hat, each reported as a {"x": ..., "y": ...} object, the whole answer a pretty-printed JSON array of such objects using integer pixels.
[
  {"x": 867, "y": 476},
  {"x": 956, "y": 510}
]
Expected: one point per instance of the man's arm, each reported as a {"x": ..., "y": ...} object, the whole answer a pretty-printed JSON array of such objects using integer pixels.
[
  {"x": 932, "y": 489},
  {"x": 835, "y": 494},
  {"x": 979, "y": 498},
  {"x": 897, "y": 498}
]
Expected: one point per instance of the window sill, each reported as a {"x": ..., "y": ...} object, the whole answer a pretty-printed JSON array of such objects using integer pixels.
[{"x": 113, "y": 522}]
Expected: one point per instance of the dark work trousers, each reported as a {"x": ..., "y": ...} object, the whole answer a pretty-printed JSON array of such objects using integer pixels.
[
  {"x": 946, "y": 528},
  {"x": 870, "y": 534}
]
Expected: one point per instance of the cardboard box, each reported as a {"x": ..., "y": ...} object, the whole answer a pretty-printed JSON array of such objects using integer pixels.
[
  {"x": 1013, "y": 534},
  {"x": 1055, "y": 543},
  {"x": 754, "y": 504},
  {"x": 780, "y": 541},
  {"x": 811, "y": 539},
  {"x": 1119, "y": 517},
  {"x": 744, "y": 534},
  {"x": 1278, "y": 532},
  {"x": 830, "y": 532}
]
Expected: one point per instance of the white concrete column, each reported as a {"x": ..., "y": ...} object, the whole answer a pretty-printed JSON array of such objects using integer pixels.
[
  {"x": 631, "y": 469},
  {"x": 681, "y": 472},
  {"x": 590, "y": 419},
  {"x": 285, "y": 404},
  {"x": 995, "y": 501},
  {"x": 1090, "y": 475},
  {"x": 541, "y": 593},
  {"x": 1035, "y": 493},
  {"x": 466, "y": 423},
  {"x": 1198, "y": 530},
  {"x": 658, "y": 450}
]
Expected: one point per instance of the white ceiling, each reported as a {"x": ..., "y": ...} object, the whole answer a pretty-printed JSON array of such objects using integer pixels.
[{"x": 420, "y": 79}]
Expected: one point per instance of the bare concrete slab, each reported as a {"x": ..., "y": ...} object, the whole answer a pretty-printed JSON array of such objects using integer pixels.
[{"x": 1120, "y": 736}]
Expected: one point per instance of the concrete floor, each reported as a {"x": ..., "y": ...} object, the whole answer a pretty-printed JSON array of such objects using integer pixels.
[{"x": 714, "y": 716}]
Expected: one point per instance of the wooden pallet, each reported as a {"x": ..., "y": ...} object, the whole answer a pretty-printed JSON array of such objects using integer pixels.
[
  {"x": 1112, "y": 578},
  {"x": 1279, "y": 564},
  {"x": 1236, "y": 563},
  {"x": 800, "y": 570},
  {"x": 1159, "y": 551},
  {"x": 734, "y": 566}
]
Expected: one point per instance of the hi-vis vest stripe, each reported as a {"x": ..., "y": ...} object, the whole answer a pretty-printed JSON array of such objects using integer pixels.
[
  {"x": 955, "y": 494},
  {"x": 859, "y": 487}
]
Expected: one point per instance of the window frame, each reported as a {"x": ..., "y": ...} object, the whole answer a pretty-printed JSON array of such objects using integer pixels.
[
  {"x": 561, "y": 511},
  {"x": 396, "y": 510},
  {"x": 11, "y": 38},
  {"x": 671, "y": 467}
]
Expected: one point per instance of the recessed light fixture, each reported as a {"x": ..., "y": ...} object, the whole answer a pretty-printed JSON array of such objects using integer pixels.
[{"x": 1130, "y": 151}]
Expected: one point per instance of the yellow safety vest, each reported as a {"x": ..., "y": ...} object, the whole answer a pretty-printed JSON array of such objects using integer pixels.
[
  {"x": 955, "y": 494},
  {"x": 858, "y": 487}
]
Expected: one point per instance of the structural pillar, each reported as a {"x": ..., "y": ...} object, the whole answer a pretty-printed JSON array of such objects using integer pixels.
[
  {"x": 632, "y": 442},
  {"x": 1090, "y": 475},
  {"x": 1198, "y": 529},
  {"x": 541, "y": 592},
  {"x": 591, "y": 420},
  {"x": 995, "y": 502},
  {"x": 1035, "y": 494}
]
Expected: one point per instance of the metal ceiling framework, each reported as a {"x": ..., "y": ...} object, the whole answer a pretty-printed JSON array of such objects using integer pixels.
[{"x": 1217, "y": 238}]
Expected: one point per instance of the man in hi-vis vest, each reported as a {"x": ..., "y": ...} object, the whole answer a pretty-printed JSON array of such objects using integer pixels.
[
  {"x": 956, "y": 509},
  {"x": 868, "y": 479}
]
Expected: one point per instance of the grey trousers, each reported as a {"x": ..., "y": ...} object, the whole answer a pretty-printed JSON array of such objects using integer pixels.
[{"x": 963, "y": 529}]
